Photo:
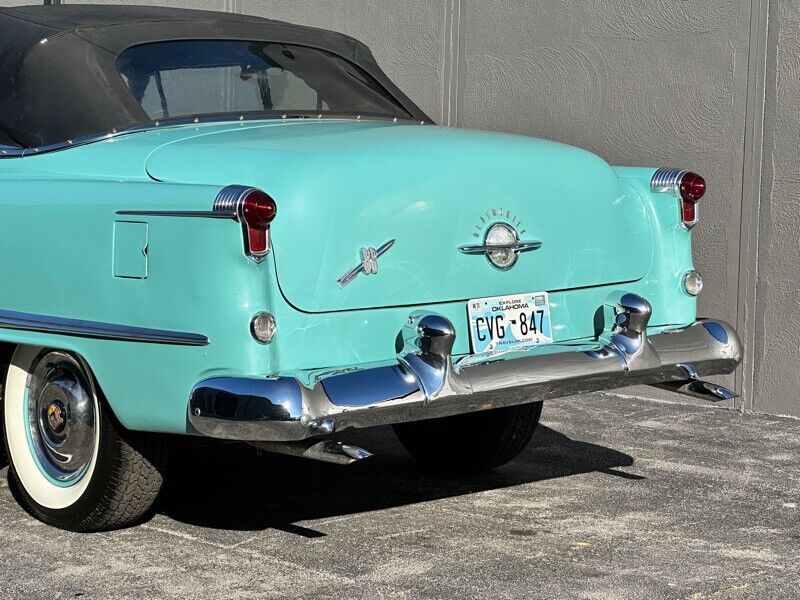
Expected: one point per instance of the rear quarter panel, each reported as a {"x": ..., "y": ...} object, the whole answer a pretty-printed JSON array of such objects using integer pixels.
[
  {"x": 56, "y": 259},
  {"x": 672, "y": 253}
]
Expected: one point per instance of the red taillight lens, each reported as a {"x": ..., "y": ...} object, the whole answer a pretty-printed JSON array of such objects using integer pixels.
[
  {"x": 689, "y": 210},
  {"x": 692, "y": 187},
  {"x": 258, "y": 209},
  {"x": 257, "y": 241},
  {"x": 254, "y": 209},
  {"x": 688, "y": 187}
]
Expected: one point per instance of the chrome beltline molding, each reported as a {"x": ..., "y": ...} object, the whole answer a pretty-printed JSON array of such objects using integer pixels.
[{"x": 94, "y": 329}]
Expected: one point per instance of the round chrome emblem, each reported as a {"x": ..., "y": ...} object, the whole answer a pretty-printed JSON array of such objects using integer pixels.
[
  {"x": 56, "y": 417},
  {"x": 501, "y": 243},
  {"x": 505, "y": 238}
]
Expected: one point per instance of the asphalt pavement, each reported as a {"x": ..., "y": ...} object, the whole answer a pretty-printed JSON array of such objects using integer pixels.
[{"x": 615, "y": 498}]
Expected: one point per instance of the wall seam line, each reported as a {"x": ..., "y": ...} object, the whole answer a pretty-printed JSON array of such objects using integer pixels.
[
  {"x": 233, "y": 6},
  {"x": 450, "y": 71},
  {"x": 750, "y": 202}
]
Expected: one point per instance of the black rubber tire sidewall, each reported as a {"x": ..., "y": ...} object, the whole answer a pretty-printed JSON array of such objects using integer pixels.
[{"x": 472, "y": 442}]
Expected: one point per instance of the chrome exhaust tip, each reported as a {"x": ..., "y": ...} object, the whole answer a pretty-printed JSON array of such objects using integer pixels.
[
  {"x": 704, "y": 390},
  {"x": 697, "y": 388},
  {"x": 329, "y": 451}
]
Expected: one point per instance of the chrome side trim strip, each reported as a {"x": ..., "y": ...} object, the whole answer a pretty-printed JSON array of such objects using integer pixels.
[
  {"x": 94, "y": 329},
  {"x": 198, "y": 214}
]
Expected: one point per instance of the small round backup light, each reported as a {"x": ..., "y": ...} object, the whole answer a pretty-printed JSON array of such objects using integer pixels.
[
  {"x": 693, "y": 283},
  {"x": 692, "y": 187},
  {"x": 263, "y": 327}
]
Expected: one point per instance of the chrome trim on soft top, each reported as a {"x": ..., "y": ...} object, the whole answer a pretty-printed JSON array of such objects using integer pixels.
[
  {"x": 94, "y": 329},
  {"x": 18, "y": 152}
]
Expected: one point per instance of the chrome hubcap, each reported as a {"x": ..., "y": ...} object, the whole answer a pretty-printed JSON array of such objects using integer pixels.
[{"x": 61, "y": 416}]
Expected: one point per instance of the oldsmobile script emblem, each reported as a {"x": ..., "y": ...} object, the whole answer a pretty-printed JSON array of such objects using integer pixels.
[
  {"x": 369, "y": 263},
  {"x": 501, "y": 239}
]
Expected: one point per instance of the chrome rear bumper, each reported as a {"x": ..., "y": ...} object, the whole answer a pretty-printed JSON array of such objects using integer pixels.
[{"x": 425, "y": 382}]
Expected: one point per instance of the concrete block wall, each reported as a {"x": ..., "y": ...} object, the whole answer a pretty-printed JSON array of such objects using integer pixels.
[{"x": 710, "y": 86}]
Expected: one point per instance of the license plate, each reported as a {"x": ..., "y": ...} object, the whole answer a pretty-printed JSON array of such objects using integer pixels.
[{"x": 510, "y": 322}]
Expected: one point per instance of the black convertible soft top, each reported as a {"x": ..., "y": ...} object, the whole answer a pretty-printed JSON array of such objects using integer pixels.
[{"x": 59, "y": 79}]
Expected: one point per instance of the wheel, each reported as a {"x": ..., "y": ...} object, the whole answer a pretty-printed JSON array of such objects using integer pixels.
[
  {"x": 71, "y": 464},
  {"x": 472, "y": 442}
]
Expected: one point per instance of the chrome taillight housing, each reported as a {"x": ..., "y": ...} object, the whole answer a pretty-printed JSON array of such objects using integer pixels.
[
  {"x": 255, "y": 210},
  {"x": 686, "y": 186}
]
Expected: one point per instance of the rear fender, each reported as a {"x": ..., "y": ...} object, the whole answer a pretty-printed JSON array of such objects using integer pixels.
[
  {"x": 672, "y": 255},
  {"x": 59, "y": 262}
]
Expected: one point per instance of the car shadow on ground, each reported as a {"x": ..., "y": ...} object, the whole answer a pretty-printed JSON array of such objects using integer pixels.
[{"x": 234, "y": 487}]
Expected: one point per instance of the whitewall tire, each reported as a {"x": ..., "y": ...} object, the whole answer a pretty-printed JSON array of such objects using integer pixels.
[{"x": 71, "y": 464}]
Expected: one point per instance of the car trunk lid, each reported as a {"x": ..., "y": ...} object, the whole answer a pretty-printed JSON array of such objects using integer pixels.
[{"x": 425, "y": 192}]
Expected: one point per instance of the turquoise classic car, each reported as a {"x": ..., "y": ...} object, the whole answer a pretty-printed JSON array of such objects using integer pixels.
[{"x": 224, "y": 226}]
